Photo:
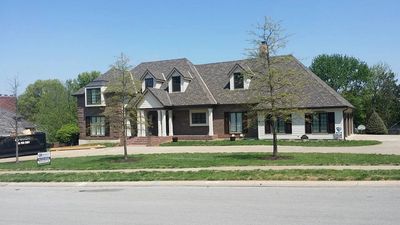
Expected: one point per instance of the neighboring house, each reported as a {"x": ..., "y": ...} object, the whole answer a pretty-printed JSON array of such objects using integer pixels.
[
  {"x": 210, "y": 101},
  {"x": 7, "y": 124}
]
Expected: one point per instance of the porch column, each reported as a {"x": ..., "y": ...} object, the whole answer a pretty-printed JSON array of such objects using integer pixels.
[
  {"x": 260, "y": 125},
  {"x": 141, "y": 130},
  {"x": 210, "y": 122},
  {"x": 170, "y": 124},
  {"x": 159, "y": 122},
  {"x": 163, "y": 123}
]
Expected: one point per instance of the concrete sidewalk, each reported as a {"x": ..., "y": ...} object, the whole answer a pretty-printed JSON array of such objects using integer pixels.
[
  {"x": 220, "y": 168},
  {"x": 390, "y": 145}
]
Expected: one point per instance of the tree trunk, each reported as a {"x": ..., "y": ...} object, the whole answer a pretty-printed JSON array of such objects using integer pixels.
[{"x": 274, "y": 138}]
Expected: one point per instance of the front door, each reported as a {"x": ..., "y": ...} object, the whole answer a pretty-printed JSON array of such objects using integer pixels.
[{"x": 152, "y": 119}]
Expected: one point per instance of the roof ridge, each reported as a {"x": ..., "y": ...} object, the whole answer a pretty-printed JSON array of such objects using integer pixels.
[
  {"x": 164, "y": 60},
  {"x": 237, "y": 60}
]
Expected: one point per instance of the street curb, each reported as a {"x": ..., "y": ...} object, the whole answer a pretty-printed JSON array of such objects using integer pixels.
[{"x": 207, "y": 184}]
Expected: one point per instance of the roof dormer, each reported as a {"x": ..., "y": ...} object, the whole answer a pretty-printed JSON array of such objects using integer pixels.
[
  {"x": 177, "y": 82},
  {"x": 237, "y": 79},
  {"x": 150, "y": 81}
]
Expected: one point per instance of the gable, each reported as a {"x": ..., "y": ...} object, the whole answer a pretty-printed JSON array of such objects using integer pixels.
[{"x": 150, "y": 102}]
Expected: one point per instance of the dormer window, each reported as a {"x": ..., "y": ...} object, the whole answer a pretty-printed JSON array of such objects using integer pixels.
[
  {"x": 148, "y": 83},
  {"x": 238, "y": 80},
  {"x": 93, "y": 96},
  {"x": 176, "y": 84}
]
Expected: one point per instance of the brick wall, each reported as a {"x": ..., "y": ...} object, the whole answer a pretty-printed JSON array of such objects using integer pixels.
[
  {"x": 83, "y": 112},
  {"x": 219, "y": 123},
  {"x": 182, "y": 124}
]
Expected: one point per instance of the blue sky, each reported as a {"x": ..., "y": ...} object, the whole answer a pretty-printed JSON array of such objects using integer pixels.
[{"x": 60, "y": 39}]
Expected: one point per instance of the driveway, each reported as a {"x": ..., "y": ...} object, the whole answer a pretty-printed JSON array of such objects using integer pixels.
[{"x": 390, "y": 145}]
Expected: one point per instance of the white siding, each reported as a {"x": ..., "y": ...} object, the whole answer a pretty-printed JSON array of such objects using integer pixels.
[
  {"x": 298, "y": 127},
  {"x": 150, "y": 102}
]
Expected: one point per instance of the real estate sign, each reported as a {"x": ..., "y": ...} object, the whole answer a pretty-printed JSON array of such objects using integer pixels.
[{"x": 43, "y": 158}]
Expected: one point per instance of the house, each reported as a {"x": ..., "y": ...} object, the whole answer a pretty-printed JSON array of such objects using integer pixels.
[
  {"x": 208, "y": 101},
  {"x": 7, "y": 118}
]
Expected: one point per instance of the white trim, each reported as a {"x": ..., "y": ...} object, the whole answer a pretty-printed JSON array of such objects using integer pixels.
[
  {"x": 210, "y": 122},
  {"x": 163, "y": 123},
  {"x": 198, "y": 111},
  {"x": 170, "y": 124},
  {"x": 102, "y": 99}
]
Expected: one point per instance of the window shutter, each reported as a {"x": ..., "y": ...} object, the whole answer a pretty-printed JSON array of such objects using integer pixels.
[
  {"x": 226, "y": 122},
  {"x": 308, "y": 123},
  {"x": 331, "y": 123},
  {"x": 107, "y": 128},
  {"x": 88, "y": 126},
  {"x": 288, "y": 125},
  {"x": 268, "y": 124},
  {"x": 245, "y": 123}
]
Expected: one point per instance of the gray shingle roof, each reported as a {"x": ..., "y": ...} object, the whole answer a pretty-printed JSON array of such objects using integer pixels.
[
  {"x": 315, "y": 93},
  {"x": 7, "y": 123},
  {"x": 208, "y": 83}
]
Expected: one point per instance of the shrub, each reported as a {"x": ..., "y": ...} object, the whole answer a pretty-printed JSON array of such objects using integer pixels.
[
  {"x": 68, "y": 134},
  {"x": 375, "y": 125}
]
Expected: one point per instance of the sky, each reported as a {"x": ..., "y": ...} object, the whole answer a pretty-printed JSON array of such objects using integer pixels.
[{"x": 60, "y": 39}]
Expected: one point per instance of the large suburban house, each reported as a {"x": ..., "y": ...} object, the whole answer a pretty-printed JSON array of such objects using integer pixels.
[{"x": 209, "y": 101}]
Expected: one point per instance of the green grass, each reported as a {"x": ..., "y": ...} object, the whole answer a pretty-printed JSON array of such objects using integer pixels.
[
  {"x": 339, "y": 175},
  {"x": 309, "y": 143},
  {"x": 187, "y": 160}
]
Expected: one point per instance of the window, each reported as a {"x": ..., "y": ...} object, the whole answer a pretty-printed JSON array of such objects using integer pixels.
[
  {"x": 148, "y": 83},
  {"x": 96, "y": 126},
  {"x": 236, "y": 122},
  {"x": 238, "y": 80},
  {"x": 93, "y": 96},
  {"x": 176, "y": 84},
  {"x": 283, "y": 125},
  {"x": 198, "y": 118},
  {"x": 321, "y": 122}
]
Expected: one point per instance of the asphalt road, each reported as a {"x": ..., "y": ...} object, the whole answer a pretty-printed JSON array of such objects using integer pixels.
[{"x": 175, "y": 205}]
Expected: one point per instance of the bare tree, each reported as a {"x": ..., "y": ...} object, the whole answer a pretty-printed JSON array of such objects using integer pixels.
[
  {"x": 14, "y": 85},
  {"x": 273, "y": 83},
  {"x": 121, "y": 95}
]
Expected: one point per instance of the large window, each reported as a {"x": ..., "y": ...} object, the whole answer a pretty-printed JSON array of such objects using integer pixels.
[
  {"x": 176, "y": 84},
  {"x": 198, "y": 118},
  {"x": 236, "y": 122},
  {"x": 93, "y": 96},
  {"x": 238, "y": 80},
  {"x": 96, "y": 126},
  {"x": 320, "y": 122},
  {"x": 283, "y": 125},
  {"x": 149, "y": 83}
]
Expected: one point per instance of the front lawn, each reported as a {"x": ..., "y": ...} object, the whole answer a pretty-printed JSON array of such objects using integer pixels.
[
  {"x": 191, "y": 160},
  {"x": 310, "y": 175},
  {"x": 309, "y": 143}
]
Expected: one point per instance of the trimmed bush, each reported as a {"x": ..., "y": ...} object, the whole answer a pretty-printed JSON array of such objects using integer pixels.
[
  {"x": 375, "y": 125},
  {"x": 68, "y": 134}
]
